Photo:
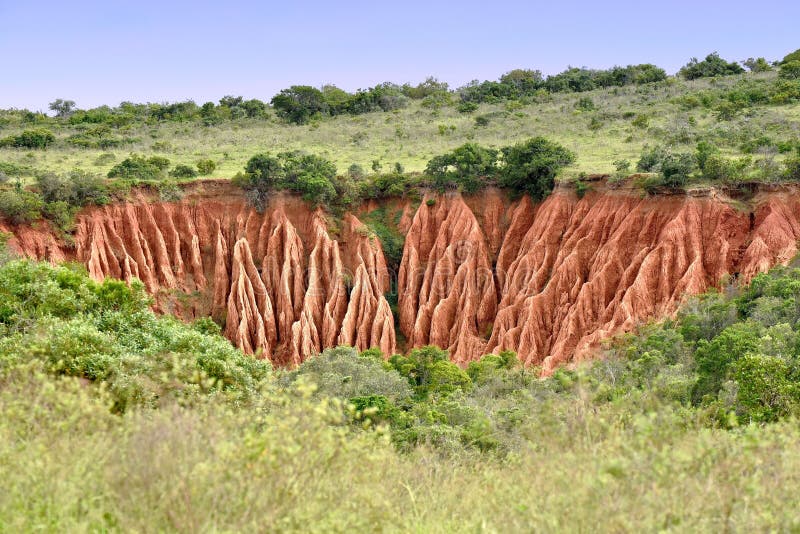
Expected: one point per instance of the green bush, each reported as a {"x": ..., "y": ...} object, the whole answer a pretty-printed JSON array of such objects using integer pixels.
[
  {"x": 790, "y": 70},
  {"x": 792, "y": 171},
  {"x": 712, "y": 65},
  {"x": 39, "y": 138},
  {"x": 106, "y": 332},
  {"x": 299, "y": 103},
  {"x": 20, "y": 206},
  {"x": 183, "y": 171},
  {"x": 342, "y": 372},
  {"x": 138, "y": 167},
  {"x": 206, "y": 166},
  {"x": 766, "y": 390},
  {"x": 532, "y": 166},
  {"x": 466, "y": 168},
  {"x": 76, "y": 188},
  {"x": 311, "y": 176},
  {"x": 585, "y": 104},
  {"x": 674, "y": 169}
]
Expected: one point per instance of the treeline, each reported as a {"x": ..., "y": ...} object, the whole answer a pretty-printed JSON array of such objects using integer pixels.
[
  {"x": 529, "y": 167},
  {"x": 300, "y": 103}
]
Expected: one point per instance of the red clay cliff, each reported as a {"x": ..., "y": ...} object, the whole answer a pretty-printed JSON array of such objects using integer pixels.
[{"x": 479, "y": 274}]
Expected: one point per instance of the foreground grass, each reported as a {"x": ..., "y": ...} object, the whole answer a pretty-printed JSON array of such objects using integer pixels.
[
  {"x": 289, "y": 464},
  {"x": 117, "y": 420}
]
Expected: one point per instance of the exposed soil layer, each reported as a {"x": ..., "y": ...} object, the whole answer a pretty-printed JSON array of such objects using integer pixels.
[{"x": 477, "y": 275}]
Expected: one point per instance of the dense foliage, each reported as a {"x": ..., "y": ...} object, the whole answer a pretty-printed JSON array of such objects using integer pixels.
[
  {"x": 712, "y": 65},
  {"x": 58, "y": 318},
  {"x": 529, "y": 167}
]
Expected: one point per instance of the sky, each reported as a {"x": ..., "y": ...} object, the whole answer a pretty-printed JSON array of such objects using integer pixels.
[{"x": 106, "y": 52}]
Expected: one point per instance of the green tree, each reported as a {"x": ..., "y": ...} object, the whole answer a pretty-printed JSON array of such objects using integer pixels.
[
  {"x": 765, "y": 391},
  {"x": 790, "y": 70},
  {"x": 712, "y": 65},
  {"x": 299, "y": 103},
  {"x": 464, "y": 167},
  {"x": 531, "y": 167},
  {"x": 62, "y": 108},
  {"x": 757, "y": 64}
]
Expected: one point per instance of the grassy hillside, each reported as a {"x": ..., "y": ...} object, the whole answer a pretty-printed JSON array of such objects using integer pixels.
[{"x": 600, "y": 126}]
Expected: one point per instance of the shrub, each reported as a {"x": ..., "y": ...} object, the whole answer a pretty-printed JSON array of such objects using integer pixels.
[
  {"x": 790, "y": 70},
  {"x": 651, "y": 158},
  {"x": 341, "y": 372},
  {"x": 311, "y": 176},
  {"x": 792, "y": 169},
  {"x": 299, "y": 103},
  {"x": 585, "y": 104},
  {"x": 581, "y": 188},
  {"x": 482, "y": 120},
  {"x": 20, "y": 206},
  {"x": 712, "y": 65},
  {"x": 765, "y": 391},
  {"x": 532, "y": 166},
  {"x": 717, "y": 167},
  {"x": 39, "y": 138},
  {"x": 430, "y": 371},
  {"x": 138, "y": 167},
  {"x": 356, "y": 171},
  {"x": 206, "y": 166},
  {"x": 467, "y": 107},
  {"x": 183, "y": 171},
  {"x": 757, "y": 64},
  {"x": 465, "y": 168}
]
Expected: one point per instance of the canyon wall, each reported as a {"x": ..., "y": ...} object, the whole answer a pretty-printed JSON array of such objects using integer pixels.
[{"x": 479, "y": 274}]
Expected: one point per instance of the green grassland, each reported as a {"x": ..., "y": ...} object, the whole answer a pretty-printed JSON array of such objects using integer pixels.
[{"x": 624, "y": 121}]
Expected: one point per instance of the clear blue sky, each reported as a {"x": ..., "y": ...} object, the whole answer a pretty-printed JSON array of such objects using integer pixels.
[{"x": 104, "y": 52}]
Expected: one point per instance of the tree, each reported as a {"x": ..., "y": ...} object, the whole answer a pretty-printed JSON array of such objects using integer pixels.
[
  {"x": 299, "y": 103},
  {"x": 524, "y": 81},
  {"x": 790, "y": 70},
  {"x": 794, "y": 56},
  {"x": 310, "y": 175},
  {"x": 765, "y": 390},
  {"x": 757, "y": 64},
  {"x": 712, "y": 65},
  {"x": 463, "y": 167},
  {"x": 62, "y": 108},
  {"x": 183, "y": 171},
  {"x": 531, "y": 167}
]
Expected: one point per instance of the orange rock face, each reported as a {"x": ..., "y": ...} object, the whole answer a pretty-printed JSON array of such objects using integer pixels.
[{"x": 477, "y": 275}]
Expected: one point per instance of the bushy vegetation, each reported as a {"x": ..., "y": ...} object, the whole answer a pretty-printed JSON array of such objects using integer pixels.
[
  {"x": 139, "y": 167},
  {"x": 38, "y": 138},
  {"x": 712, "y": 65},
  {"x": 62, "y": 322},
  {"x": 54, "y": 197},
  {"x": 168, "y": 427},
  {"x": 529, "y": 167}
]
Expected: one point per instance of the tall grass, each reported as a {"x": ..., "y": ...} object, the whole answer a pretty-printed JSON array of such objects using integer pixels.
[{"x": 288, "y": 463}]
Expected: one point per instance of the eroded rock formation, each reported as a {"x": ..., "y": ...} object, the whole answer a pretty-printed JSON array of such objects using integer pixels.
[{"x": 479, "y": 274}]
